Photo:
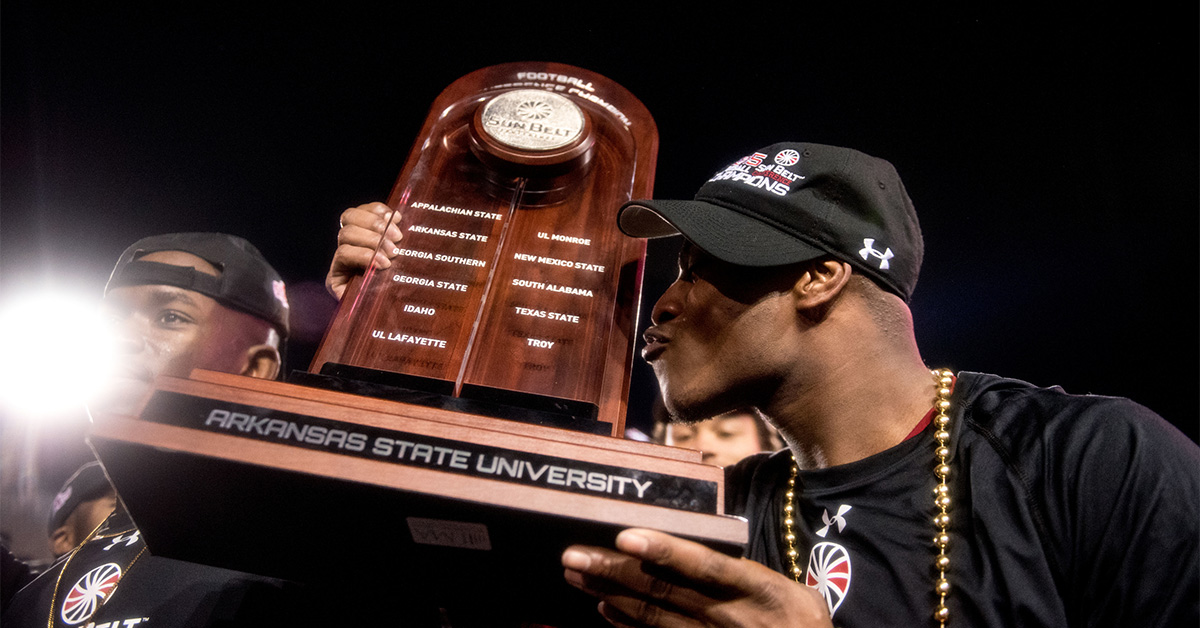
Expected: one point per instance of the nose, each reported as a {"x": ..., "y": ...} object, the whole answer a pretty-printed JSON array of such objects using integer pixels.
[
  {"x": 670, "y": 304},
  {"x": 706, "y": 442}
]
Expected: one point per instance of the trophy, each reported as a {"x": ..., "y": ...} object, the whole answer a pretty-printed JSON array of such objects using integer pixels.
[{"x": 470, "y": 399}]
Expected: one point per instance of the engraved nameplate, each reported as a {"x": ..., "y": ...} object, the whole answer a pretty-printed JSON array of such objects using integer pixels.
[{"x": 440, "y": 454}]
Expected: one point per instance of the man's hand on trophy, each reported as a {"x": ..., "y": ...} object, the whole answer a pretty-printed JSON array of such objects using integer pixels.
[
  {"x": 359, "y": 244},
  {"x": 655, "y": 579}
]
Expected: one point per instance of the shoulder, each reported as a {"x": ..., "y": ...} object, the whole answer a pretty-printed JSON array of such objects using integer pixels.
[
  {"x": 1077, "y": 447},
  {"x": 14, "y": 574},
  {"x": 1088, "y": 468},
  {"x": 1018, "y": 418},
  {"x": 1110, "y": 487},
  {"x": 24, "y": 604}
]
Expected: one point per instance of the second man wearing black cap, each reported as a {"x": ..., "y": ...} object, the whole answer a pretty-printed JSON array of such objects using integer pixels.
[
  {"x": 179, "y": 301},
  {"x": 85, "y": 500},
  {"x": 192, "y": 300}
]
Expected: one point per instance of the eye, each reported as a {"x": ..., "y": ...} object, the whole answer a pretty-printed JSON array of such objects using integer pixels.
[
  {"x": 685, "y": 270},
  {"x": 173, "y": 318},
  {"x": 681, "y": 437},
  {"x": 690, "y": 263}
]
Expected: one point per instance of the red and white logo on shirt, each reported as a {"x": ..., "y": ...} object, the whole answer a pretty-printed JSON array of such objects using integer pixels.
[
  {"x": 89, "y": 593},
  {"x": 829, "y": 573}
]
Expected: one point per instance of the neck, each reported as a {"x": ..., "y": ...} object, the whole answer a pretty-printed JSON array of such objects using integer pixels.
[{"x": 854, "y": 406}]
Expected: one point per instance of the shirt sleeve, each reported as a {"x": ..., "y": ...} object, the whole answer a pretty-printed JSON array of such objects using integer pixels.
[{"x": 1122, "y": 498}]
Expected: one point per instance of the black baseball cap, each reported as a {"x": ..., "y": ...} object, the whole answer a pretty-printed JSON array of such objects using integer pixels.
[
  {"x": 87, "y": 483},
  {"x": 792, "y": 202},
  {"x": 247, "y": 282}
]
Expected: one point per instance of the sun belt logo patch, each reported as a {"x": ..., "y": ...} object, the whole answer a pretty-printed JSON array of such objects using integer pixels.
[
  {"x": 280, "y": 292},
  {"x": 61, "y": 498},
  {"x": 868, "y": 251},
  {"x": 787, "y": 157},
  {"x": 754, "y": 172},
  {"x": 89, "y": 593},
  {"x": 829, "y": 573}
]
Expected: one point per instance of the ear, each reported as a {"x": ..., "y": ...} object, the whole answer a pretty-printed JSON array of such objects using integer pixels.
[
  {"x": 262, "y": 361},
  {"x": 819, "y": 286},
  {"x": 61, "y": 540}
]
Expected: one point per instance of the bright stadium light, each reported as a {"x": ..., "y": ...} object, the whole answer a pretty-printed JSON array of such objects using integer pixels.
[{"x": 55, "y": 351}]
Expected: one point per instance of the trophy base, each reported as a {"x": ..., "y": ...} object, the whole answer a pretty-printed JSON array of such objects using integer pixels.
[{"x": 484, "y": 547}]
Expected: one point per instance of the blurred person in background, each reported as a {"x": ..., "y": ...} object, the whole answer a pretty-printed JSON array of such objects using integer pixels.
[
  {"x": 85, "y": 500},
  {"x": 723, "y": 440}
]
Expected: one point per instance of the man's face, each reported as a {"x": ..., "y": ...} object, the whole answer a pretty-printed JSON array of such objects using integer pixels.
[
  {"x": 164, "y": 330},
  {"x": 716, "y": 335},
  {"x": 80, "y": 523}
]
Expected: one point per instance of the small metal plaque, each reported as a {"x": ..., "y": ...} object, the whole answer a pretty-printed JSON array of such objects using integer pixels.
[
  {"x": 532, "y": 119},
  {"x": 449, "y": 533}
]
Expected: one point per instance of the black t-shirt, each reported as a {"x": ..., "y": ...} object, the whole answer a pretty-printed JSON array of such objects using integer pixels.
[
  {"x": 1067, "y": 511},
  {"x": 14, "y": 574},
  {"x": 113, "y": 582}
]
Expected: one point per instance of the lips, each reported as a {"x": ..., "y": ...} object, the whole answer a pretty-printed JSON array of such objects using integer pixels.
[{"x": 656, "y": 343}]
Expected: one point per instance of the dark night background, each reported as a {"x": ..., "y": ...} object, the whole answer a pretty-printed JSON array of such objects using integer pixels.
[{"x": 1052, "y": 158}]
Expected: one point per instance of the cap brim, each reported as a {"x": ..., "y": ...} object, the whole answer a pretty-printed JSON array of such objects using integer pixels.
[{"x": 721, "y": 232}]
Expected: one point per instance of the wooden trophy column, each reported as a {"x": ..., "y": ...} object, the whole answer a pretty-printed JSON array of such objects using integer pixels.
[{"x": 469, "y": 401}]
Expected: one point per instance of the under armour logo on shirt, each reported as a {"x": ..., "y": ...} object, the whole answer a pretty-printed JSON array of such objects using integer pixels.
[
  {"x": 836, "y": 519},
  {"x": 127, "y": 539},
  {"x": 868, "y": 250}
]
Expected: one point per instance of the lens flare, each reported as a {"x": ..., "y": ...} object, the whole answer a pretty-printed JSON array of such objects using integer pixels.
[{"x": 57, "y": 350}]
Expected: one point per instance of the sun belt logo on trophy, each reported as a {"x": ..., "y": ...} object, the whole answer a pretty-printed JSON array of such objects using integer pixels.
[
  {"x": 532, "y": 119},
  {"x": 534, "y": 109}
]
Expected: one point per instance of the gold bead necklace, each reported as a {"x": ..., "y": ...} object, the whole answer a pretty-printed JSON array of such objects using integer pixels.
[{"x": 941, "y": 499}]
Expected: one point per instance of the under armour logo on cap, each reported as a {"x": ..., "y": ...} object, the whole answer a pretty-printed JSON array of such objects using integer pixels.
[{"x": 868, "y": 250}]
